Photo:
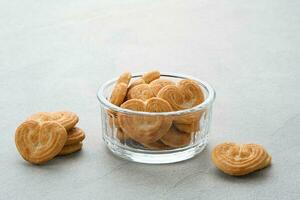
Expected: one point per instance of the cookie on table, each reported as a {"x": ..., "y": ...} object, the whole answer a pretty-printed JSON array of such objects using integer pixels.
[
  {"x": 66, "y": 118},
  {"x": 75, "y": 135},
  {"x": 39, "y": 142},
  {"x": 69, "y": 149},
  {"x": 240, "y": 159}
]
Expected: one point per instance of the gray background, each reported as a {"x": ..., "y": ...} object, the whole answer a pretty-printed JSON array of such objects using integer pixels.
[{"x": 55, "y": 54}]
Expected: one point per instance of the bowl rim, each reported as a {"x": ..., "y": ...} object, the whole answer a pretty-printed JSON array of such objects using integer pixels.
[{"x": 211, "y": 95}]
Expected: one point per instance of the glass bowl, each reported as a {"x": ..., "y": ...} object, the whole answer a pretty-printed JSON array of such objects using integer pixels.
[{"x": 187, "y": 130}]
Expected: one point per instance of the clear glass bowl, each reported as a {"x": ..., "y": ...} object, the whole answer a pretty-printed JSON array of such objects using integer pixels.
[{"x": 188, "y": 128}]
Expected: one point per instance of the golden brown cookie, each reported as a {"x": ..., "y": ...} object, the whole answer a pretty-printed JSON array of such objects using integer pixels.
[
  {"x": 124, "y": 78},
  {"x": 66, "y": 118},
  {"x": 151, "y": 76},
  {"x": 120, "y": 90},
  {"x": 142, "y": 91},
  {"x": 136, "y": 82},
  {"x": 75, "y": 135},
  {"x": 66, "y": 150},
  {"x": 118, "y": 94},
  {"x": 142, "y": 128},
  {"x": 38, "y": 142},
  {"x": 158, "y": 145},
  {"x": 158, "y": 84},
  {"x": 240, "y": 159},
  {"x": 189, "y": 118},
  {"x": 188, "y": 128},
  {"x": 175, "y": 138},
  {"x": 186, "y": 94}
]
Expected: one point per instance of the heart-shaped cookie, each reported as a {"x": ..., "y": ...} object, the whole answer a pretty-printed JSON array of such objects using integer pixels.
[
  {"x": 38, "y": 142},
  {"x": 142, "y": 128},
  {"x": 240, "y": 159},
  {"x": 66, "y": 118},
  {"x": 186, "y": 94}
]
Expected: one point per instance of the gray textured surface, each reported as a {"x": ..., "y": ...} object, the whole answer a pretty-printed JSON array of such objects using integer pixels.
[{"x": 55, "y": 54}]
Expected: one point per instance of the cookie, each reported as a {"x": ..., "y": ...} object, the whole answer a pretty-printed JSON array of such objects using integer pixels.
[
  {"x": 75, "y": 135},
  {"x": 39, "y": 142},
  {"x": 189, "y": 118},
  {"x": 158, "y": 84},
  {"x": 151, "y": 76},
  {"x": 66, "y": 118},
  {"x": 186, "y": 94},
  {"x": 176, "y": 138},
  {"x": 118, "y": 94},
  {"x": 188, "y": 128},
  {"x": 142, "y": 128},
  {"x": 120, "y": 90},
  {"x": 136, "y": 82},
  {"x": 142, "y": 91},
  {"x": 124, "y": 78},
  {"x": 240, "y": 159},
  {"x": 66, "y": 150}
]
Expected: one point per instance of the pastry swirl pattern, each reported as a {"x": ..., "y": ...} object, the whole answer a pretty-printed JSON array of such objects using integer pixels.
[
  {"x": 240, "y": 159},
  {"x": 145, "y": 129}
]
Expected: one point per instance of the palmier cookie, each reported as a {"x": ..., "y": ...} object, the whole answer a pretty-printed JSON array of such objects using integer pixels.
[
  {"x": 136, "y": 82},
  {"x": 70, "y": 149},
  {"x": 75, "y": 135},
  {"x": 124, "y": 78},
  {"x": 158, "y": 84},
  {"x": 142, "y": 91},
  {"x": 240, "y": 159},
  {"x": 120, "y": 90},
  {"x": 188, "y": 128},
  {"x": 151, "y": 76},
  {"x": 189, "y": 118},
  {"x": 38, "y": 142},
  {"x": 176, "y": 138},
  {"x": 66, "y": 118},
  {"x": 142, "y": 128},
  {"x": 186, "y": 94}
]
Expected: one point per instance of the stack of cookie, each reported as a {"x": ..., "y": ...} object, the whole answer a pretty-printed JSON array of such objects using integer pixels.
[
  {"x": 45, "y": 135},
  {"x": 150, "y": 93}
]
